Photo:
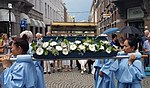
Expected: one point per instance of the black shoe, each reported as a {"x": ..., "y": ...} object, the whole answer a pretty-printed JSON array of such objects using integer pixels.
[
  {"x": 79, "y": 69},
  {"x": 49, "y": 72},
  {"x": 53, "y": 71},
  {"x": 89, "y": 72},
  {"x": 44, "y": 72}
]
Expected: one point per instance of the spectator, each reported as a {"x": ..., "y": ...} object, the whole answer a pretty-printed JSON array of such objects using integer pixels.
[
  {"x": 5, "y": 44},
  {"x": 48, "y": 64},
  {"x": 83, "y": 67},
  {"x": 115, "y": 41},
  {"x": 142, "y": 39},
  {"x": 146, "y": 48},
  {"x": 145, "y": 37},
  {"x": 121, "y": 41},
  {"x": 90, "y": 62}
]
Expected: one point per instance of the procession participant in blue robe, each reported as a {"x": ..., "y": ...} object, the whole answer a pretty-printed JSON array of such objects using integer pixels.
[
  {"x": 129, "y": 71},
  {"x": 22, "y": 73},
  {"x": 105, "y": 77},
  {"x": 40, "y": 79},
  {"x": 97, "y": 66}
]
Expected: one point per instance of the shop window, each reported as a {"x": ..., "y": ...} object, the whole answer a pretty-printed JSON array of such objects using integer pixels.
[
  {"x": 41, "y": 30},
  {"x": 36, "y": 30}
]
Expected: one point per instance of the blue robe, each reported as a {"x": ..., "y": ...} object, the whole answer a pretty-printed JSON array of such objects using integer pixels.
[
  {"x": 97, "y": 66},
  {"x": 107, "y": 81},
  {"x": 39, "y": 69},
  {"x": 22, "y": 74},
  {"x": 129, "y": 76}
]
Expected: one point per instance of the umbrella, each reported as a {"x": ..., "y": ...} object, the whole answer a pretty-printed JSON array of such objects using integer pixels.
[
  {"x": 130, "y": 30},
  {"x": 110, "y": 31}
]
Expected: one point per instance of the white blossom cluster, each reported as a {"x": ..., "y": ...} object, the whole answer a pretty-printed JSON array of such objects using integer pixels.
[{"x": 65, "y": 46}]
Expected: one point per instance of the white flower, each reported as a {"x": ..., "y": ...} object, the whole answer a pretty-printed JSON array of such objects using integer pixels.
[
  {"x": 108, "y": 50},
  {"x": 81, "y": 47},
  {"x": 77, "y": 42},
  {"x": 39, "y": 51},
  {"x": 59, "y": 48},
  {"x": 45, "y": 44},
  {"x": 53, "y": 43},
  {"x": 102, "y": 47},
  {"x": 63, "y": 45},
  {"x": 73, "y": 47},
  {"x": 67, "y": 46},
  {"x": 65, "y": 52},
  {"x": 92, "y": 47}
]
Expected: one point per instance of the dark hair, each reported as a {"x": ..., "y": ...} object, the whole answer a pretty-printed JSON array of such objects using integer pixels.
[
  {"x": 113, "y": 36},
  {"x": 133, "y": 42},
  {"x": 25, "y": 37},
  {"x": 121, "y": 39},
  {"x": 23, "y": 43}
]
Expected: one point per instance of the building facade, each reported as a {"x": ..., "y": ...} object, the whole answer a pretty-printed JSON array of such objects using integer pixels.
[
  {"x": 105, "y": 14},
  {"x": 34, "y": 15},
  {"x": 119, "y": 13}
]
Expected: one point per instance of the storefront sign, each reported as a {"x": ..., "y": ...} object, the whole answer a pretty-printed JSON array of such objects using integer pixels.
[{"x": 135, "y": 12}]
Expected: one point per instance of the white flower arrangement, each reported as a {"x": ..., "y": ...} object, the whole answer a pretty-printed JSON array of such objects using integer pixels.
[{"x": 65, "y": 46}]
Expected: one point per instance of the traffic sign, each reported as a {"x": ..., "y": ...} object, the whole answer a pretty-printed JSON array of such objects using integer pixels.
[{"x": 23, "y": 23}]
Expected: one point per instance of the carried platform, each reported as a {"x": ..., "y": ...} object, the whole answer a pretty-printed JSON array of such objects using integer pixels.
[{"x": 76, "y": 54}]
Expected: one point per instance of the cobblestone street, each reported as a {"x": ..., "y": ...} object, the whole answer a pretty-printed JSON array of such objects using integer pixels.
[{"x": 74, "y": 79}]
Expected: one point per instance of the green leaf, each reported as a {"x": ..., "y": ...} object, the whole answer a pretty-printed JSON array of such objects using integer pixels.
[{"x": 45, "y": 52}]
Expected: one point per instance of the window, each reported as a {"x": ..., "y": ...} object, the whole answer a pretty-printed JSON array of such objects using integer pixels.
[
  {"x": 45, "y": 10},
  {"x": 48, "y": 12},
  {"x": 40, "y": 5},
  {"x": 41, "y": 30},
  {"x": 35, "y": 5}
]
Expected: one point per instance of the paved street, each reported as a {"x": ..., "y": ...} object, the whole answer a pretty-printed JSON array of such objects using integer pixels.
[
  {"x": 72, "y": 79},
  {"x": 75, "y": 80}
]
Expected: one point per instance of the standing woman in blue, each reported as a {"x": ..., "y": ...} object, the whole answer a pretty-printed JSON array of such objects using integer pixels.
[
  {"x": 129, "y": 71},
  {"x": 22, "y": 72}
]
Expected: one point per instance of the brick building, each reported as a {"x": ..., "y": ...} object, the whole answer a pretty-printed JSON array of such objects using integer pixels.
[{"x": 118, "y": 13}]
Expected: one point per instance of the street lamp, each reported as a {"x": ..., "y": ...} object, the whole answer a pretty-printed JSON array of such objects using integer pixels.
[{"x": 10, "y": 7}]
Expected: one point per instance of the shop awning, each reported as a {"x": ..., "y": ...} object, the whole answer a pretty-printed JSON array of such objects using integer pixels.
[
  {"x": 39, "y": 23},
  {"x": 4, "y": 15},
  {"x": 43, "y": 24},
  {"x": 33, "y": 22},
  {"x": 24, "y": 16}
]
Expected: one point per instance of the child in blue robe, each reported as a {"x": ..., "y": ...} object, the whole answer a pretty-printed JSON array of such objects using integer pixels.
[
  {"x": 104, "y": 78},
  {"x": 22, "y": 73},
  {"x": 129, "y": 71}
]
